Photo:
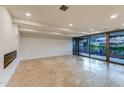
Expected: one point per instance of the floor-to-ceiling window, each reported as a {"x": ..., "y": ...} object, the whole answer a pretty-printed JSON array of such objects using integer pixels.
[
  {"x": 75, "y": 45},
  {"x": 98, "y": 46},
  {"x": 117, "y": 47},
  {"x": 84, "y": 46}
]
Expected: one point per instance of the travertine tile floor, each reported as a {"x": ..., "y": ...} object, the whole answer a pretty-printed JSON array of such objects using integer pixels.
[{"x": 67, "y": 71}]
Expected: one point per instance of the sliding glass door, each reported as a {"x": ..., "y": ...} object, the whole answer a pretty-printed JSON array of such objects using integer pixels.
[
  {"x": 105, "y": 46},
  {"x": 84, "y": 46},
  {"x": 75, "y": 46},
  {"x": 98, "y": 46},
  {"x": 117, "y": 47}
]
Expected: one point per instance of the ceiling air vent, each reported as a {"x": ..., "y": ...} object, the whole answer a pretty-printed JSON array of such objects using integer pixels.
[{"x": 63, "y": 7}]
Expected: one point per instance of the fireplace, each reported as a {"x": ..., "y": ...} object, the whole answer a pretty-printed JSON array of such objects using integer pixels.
[{"x": 8, "y": 58}]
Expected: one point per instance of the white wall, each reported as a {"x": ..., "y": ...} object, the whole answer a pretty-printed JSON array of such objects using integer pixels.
[
  {"x": 9, "y": 41},
  {"x": 34, "y": 46}
]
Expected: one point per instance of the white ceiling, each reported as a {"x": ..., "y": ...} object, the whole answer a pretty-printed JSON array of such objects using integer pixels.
[{"x": 49, "y": 19}]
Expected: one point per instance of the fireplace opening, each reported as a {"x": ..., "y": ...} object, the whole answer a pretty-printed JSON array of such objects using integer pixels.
[{"x": 9, "y": 57}]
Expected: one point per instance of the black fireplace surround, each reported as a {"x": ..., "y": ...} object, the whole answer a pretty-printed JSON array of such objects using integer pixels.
[{"x": 9, "y": 57}]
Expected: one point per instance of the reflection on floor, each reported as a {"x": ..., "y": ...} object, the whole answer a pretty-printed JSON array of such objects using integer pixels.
[{"x": 67, "y": 71}]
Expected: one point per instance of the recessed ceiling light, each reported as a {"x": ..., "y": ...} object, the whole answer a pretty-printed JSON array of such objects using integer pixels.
[
  {"x": 91, "y": 29},
  {"x": 113, "y": 16},
  {"x": 123, "y": 24},
  {"x": 70, "y": 24},
  {"x": 27, "y": 14}
]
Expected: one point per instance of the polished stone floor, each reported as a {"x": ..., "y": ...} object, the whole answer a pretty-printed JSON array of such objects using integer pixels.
[{"x": 67, "y": 71}]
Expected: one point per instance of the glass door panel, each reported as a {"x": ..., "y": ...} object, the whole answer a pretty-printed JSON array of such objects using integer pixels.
[
  {"x": 75, "y": 46},
  {"x": 84, "y": 46},
  {"x": 98, "y": 46},
  {"x": 117, "y": 47}
]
